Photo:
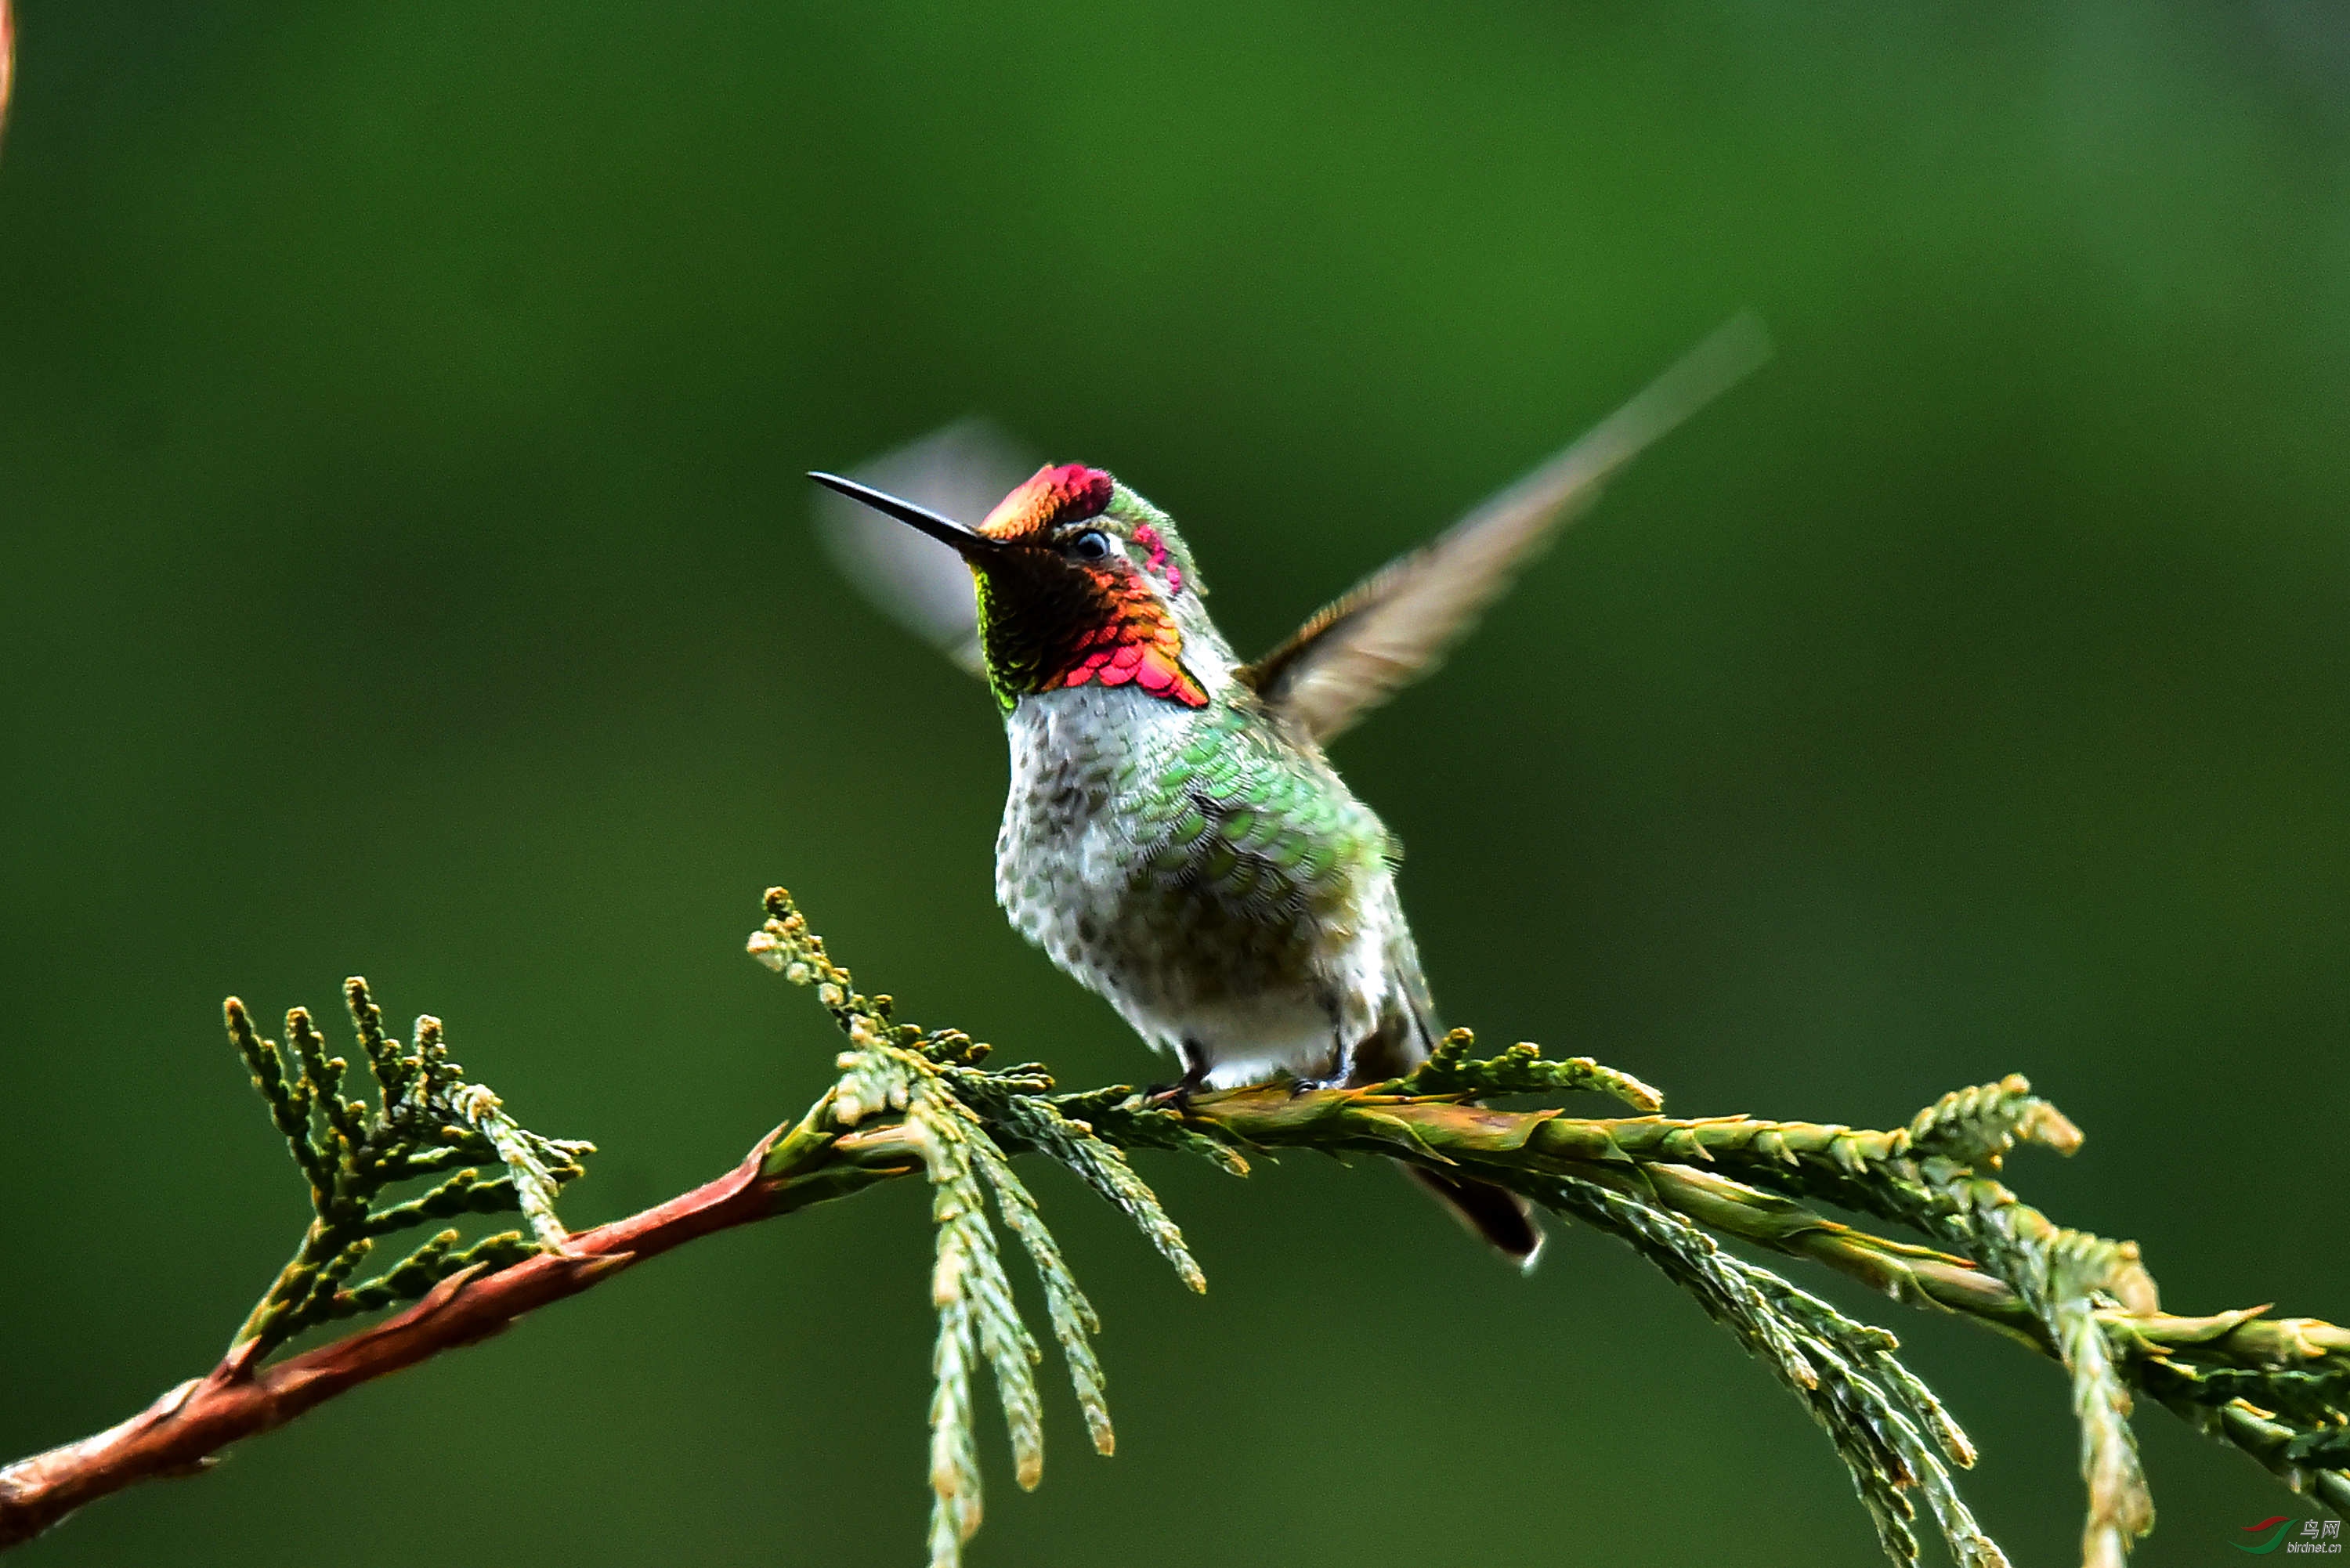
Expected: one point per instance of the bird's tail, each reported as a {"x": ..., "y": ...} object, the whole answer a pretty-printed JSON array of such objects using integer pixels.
[
  {"x": 1402, "y": 1041},
  {"x": 1502, "y": 1216}
]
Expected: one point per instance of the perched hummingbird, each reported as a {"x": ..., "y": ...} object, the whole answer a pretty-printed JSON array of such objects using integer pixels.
[{"x": 1175, "y": 837}]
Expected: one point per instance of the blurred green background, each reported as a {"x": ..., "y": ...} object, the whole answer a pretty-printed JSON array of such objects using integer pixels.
[{"x": 401, "y": 418}]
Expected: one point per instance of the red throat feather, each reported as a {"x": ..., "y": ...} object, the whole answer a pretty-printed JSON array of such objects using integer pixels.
[
  {"x": 1136, "y": 641},
  {"x": 1118, "y": 632}
]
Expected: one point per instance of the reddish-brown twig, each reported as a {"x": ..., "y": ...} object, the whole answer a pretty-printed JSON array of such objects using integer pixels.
[{"x": 187, "y": 1429}]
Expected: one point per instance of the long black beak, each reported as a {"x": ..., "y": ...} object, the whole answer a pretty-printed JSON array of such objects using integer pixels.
[{"x": 945, "y": 530}]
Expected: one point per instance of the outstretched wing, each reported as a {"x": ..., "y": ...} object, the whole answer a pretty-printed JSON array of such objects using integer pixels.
[
  {"x": 960, "y": 471},
  {"x": 1395, "y": 625}
]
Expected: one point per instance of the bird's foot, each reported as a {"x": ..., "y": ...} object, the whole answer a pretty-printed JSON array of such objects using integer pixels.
[
  {"x": 1177, "y": 1096},
  {"x": 1302, "y": 1085}
]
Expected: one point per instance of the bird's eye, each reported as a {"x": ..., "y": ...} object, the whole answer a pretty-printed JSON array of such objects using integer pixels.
[{"x": 1093, "y": 545}]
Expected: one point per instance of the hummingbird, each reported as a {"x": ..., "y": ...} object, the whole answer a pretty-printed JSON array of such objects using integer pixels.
[{"x": 1175, "y": 837}]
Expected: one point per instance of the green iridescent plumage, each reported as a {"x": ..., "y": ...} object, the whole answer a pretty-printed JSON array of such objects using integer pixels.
[{"x": 1258, "y": 848}]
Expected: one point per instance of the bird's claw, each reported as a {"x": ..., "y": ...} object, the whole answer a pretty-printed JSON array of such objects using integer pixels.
[{"x": 1177, "y": 1097}]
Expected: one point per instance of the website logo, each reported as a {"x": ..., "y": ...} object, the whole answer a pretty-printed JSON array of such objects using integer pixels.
[{"x": 2278, "y": 1530}]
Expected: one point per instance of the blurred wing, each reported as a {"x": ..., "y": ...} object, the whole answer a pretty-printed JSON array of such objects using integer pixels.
[
  {"x": 961, "y": 471},
  {"x": 1395, "y": 625}
]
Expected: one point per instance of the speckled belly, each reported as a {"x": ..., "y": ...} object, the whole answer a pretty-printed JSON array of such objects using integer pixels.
[{"x": 1212, "y": 889}]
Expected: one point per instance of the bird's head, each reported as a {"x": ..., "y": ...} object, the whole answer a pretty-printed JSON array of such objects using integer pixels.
[{"x": 1080, "y": 582}]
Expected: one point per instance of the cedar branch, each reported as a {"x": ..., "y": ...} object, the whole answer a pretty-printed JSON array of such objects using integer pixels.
[{"x": 914, "y": 1103}]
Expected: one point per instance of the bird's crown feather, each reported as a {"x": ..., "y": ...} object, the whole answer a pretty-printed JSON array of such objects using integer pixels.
[{"x": 1056, "y": 494}]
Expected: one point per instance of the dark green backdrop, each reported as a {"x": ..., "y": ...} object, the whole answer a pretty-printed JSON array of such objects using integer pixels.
[{"x": 401, "y": 412}]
